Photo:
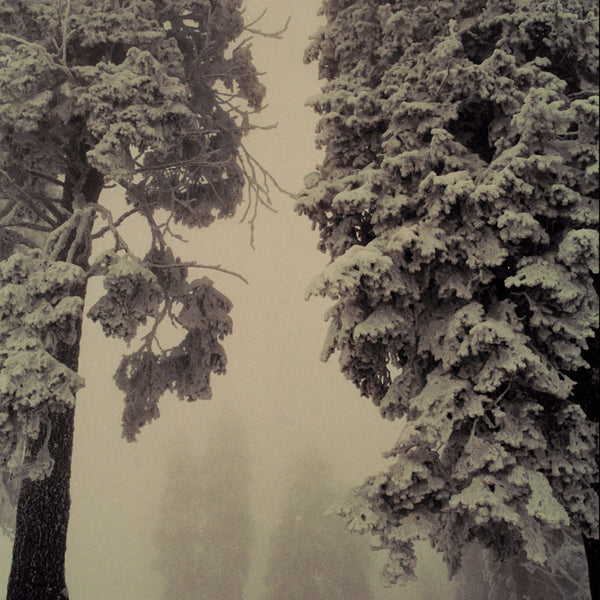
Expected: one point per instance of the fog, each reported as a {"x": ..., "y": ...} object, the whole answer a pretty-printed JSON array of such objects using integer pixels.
[{"x": 286, "y": 401}]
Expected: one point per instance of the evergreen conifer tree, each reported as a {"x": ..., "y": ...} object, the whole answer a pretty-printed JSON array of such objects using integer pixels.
[
  {"x": 458, "y": 200},
  {"x": 151, "y": 95}
]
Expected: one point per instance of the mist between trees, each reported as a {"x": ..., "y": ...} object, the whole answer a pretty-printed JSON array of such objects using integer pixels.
[
  {"x": 204, "y": 536},
  {"x": 205, "y": 540}
]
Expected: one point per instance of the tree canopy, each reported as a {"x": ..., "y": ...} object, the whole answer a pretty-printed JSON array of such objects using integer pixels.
[
  {"x": 144, "y": 94},
  {"x": 458, "y": 200}
]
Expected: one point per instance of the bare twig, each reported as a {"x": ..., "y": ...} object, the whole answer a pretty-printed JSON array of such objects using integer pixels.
[
  {"x": 101, "y": 232},
  {"x": 46, "y": 177},
  {"x": 194, "y": 265},
  {"x": 275, "y": 34},
  {"x": 65, "y": 35},
  {"x": 151, "y": 336},
  {"x": 25, "y": 199},
  {"x": 10, "y": 204},
  {"x": 28, "y": 225},
  {"x": 259, "y": 18},
  {"x": 39, "y": 48},
  {"x": 259, "y": 180}
]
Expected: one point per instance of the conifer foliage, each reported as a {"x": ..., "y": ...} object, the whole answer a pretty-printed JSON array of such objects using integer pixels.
[
  {"x": 152, "y": 95},
  {"x": 458, "y": 200}
]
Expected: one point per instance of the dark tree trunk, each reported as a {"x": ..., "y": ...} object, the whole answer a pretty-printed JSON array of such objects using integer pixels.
[
  {"x": 38, "y": 561},
  {"x": 592, "y": 553}
]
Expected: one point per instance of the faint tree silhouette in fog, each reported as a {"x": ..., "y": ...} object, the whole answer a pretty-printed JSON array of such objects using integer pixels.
[
  {"x": 203, "y": 532},
  {"x": 312, "y": 554}
]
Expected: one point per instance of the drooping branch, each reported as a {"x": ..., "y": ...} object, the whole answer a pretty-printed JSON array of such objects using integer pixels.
[{"x": 259, "y": 181}]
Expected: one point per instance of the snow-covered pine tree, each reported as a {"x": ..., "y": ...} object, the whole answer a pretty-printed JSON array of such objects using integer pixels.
[
  {"x": 154, "y": 96},
  {"x": 204, "y": 530},
  {"x": 312, "y": 554},
  {"x": 458, "y": 200}
]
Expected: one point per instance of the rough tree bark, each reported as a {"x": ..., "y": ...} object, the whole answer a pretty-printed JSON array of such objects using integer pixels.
[{"x": 42, "y": 519}]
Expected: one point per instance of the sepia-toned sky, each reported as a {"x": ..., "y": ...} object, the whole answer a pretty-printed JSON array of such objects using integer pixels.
[{"x": 288, "y": 400}]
